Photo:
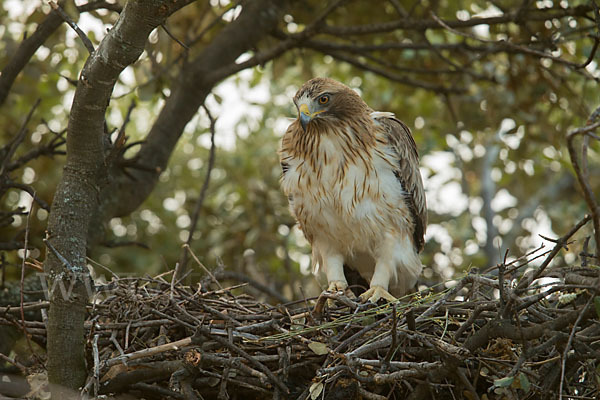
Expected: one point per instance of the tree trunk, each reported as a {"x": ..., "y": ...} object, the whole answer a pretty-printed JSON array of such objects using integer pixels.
[{"x": 77, "y": 196}]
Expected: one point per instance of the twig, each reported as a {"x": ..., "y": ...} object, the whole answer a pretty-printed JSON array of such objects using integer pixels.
[
  {"x": 96, "y": 364},
  {"x": 14, "y": 362},
  {"x": 152, "y": 351},
  {"x": 386, "y": 361},
  {"x": 18, "y": 139},
  {"x": 200, "y": 330},
  {"x": 22, "y": 283},
  {"x": 568, "y": 346},
  {"x": 200, "y": 202},
  {"x": 238, "y": 276},
  {"x": 527, "y": 280},
  {"x": 86, "y": 41},
  {"x": 179, "y": 42},
  {"x": 30, "y": 190},
  {"x": 187, "y": 247},
  {"x": 57, "y": 254},
  {"x": 592, "y": 124}
]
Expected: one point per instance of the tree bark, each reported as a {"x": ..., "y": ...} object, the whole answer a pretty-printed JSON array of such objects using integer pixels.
[{"x": 77, "y": 196}]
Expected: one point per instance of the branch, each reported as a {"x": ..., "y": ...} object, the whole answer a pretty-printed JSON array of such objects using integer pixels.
[
  {"x": 560, "y": 244},
  {"x": 387, "y": 74},
  {"x": 257, "y": 19},
  {"x": 582, "y": 176},
  {"x": 198, "y": 206},
  {"x": 12, "y": 146},
  {"x": 86, "y": 40},
  {"x": 424, "y": 24},
  {"x": 29, "y": 46}
]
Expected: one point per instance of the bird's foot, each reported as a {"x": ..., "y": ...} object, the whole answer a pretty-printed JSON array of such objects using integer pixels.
[
  {"x": 340, "y": 286},
  {"x": 336, "y": 291},
  {"x": 375, "y": 293}
]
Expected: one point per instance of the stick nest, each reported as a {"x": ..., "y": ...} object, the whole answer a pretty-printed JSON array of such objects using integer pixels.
[{"x": 504, "y": 334}]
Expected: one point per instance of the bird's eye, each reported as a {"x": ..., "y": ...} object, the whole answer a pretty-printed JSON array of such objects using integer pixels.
[{"x": 324, "y": 99}]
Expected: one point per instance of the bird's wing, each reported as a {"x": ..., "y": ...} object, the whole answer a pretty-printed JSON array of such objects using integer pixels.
[{"x": 404, "y": 150}]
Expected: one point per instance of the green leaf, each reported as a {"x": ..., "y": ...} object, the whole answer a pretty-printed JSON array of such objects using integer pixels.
[
  {"x": 319, "y": 348},
  {"x": 524, "y": 382},
  {"x": 504, "y": 382}
]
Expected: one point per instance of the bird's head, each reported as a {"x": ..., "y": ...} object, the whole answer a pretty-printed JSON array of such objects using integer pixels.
[{"x": 322, "y": 99}]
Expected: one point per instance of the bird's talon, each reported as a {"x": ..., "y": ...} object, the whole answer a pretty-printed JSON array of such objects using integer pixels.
[
  {"x": 375, "y": 293},
  {"x": 337, "y": 286}
]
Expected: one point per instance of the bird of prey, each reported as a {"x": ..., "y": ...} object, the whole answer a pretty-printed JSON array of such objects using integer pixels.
[{"x": 352, "y": 178}]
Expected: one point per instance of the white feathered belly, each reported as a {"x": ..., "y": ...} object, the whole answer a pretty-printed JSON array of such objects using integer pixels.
[
  {"x": 350, "y": 211},
  {"x": 360, "y": 213}
]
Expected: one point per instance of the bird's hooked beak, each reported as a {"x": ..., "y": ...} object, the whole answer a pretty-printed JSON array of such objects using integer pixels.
[{"x": 305, "y": 116}]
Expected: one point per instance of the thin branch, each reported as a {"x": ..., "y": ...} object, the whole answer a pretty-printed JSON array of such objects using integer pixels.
[
  {"x": 60, "y": 257},
  {"x": 18, "y": 139},
  {"x": 588, "y": 194},
  {"x": 86, "y": 41},
  {"x": 423, "y": 24},
  {"x": 14, "y": 362},
  {"x": 526, "y": 280},
  {"x": 22, "y": 282},
  {"x": 26, "y": 188},
  {"x": 179, "y": 42},
  {"x": 513, "y": 46},
  {"x": 389, "y": 75},
  {"x": 292, "y": 41},
  {"x": 200, "y": 202},
  {"x": 565, "y": 354}
]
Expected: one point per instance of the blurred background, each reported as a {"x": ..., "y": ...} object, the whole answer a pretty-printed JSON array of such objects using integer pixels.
[{"x": 489, "y": 102}]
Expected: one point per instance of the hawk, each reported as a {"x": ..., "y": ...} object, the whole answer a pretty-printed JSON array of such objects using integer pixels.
[{"x": 352, "y": 178}]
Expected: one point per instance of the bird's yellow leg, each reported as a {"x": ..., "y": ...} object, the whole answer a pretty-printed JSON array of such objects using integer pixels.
[
  {"x": 334, "y": 268},
  {"x": 379, "y": 283},
  {"x": 336, "y": 280}
]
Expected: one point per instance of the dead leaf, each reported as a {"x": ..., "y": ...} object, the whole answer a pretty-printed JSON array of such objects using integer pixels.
[{"x": 319, "y": 348}]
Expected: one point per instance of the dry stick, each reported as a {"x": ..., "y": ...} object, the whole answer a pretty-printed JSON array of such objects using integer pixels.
[
  {"x": 568, "y": 346},
  {"x": 224, "y": 274},
  {"x": 86, "y": 41},
  {"x": 187, "y": 247},
  {"x": 443, "y": 300},
  {"x": 392, "y": 349},
  {"x": 200, "y": 202},
  {"x": 22, "y": 283},
  {"x": 96, "y": 364},
  {"x": 524, "y": 283},
  {"x": 29, "y": 307},
  {"x": 370, "y": 396},
  {"x": 14, "y": 362},
  {"x": 232, "y": 347},
  {"x": 148, "y": 352},
  {"x": 19, "y": 137},
  {"x": 588, "y": 194},
  {"x": 57, "y": 254}
]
